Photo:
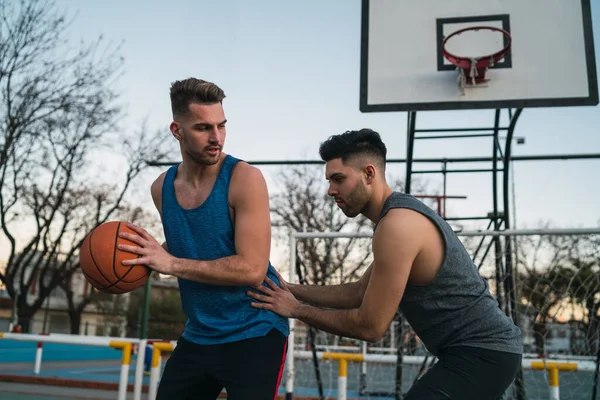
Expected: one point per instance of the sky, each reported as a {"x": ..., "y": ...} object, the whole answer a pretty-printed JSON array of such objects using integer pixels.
[{"x": 291, "y": 70}]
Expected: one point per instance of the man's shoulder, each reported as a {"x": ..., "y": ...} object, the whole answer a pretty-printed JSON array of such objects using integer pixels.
[
  {"x": 404, "y": 224},
  {"x": 401, "y": 219},
  {"x": 244, "y": 173},
  {"x": 247, "y": 185},
  {"x": 156, "y": 185}
]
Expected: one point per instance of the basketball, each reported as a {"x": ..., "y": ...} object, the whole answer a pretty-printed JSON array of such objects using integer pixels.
[{"x": 101, "y": 260}]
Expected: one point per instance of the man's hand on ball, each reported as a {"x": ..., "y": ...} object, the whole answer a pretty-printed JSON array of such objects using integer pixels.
[{"x": 150, "y": 252}]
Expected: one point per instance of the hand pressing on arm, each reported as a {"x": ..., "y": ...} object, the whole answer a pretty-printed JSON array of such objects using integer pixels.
[
  {"x": 385, "y": 288},
  {"x": 277, "y": 299}
]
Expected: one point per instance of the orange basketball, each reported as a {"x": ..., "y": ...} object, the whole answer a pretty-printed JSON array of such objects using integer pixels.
[{"x": 101, "y": 260}]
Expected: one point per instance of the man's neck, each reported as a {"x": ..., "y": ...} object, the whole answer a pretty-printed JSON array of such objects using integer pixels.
[
  {"x": 194, "y": 174},
  {"x": 375, "y": 206}
]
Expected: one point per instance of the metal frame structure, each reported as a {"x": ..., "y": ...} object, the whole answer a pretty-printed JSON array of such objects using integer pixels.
[{"x": 501, "y": 162}]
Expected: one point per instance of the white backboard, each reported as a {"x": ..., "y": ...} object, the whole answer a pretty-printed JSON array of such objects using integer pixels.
[{"x": 550, "y": 63}]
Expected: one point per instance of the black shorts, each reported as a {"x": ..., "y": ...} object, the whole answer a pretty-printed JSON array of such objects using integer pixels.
[
  {"x": 249, "y": 369},
  {"x": 467, "y": 373}
]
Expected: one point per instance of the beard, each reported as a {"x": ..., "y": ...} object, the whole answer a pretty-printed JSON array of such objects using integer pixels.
[
  {"x": 202, "y": 158},
  {"x": 356, "y": 201}
]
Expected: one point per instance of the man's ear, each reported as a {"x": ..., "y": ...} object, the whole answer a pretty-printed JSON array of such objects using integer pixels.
[
  {"x": 174, "y": 127},
  {"x": 370, "y": 173}
]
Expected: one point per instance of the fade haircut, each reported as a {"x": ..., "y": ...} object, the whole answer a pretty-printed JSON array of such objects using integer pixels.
[
  {"x": 364, "y": 142},
  {"x": 192, "y": 90}
]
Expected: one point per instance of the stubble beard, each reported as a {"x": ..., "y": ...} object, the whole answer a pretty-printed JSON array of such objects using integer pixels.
[
  {"x": 357, "y": 200},
  {"x": 202, "y": 159}
]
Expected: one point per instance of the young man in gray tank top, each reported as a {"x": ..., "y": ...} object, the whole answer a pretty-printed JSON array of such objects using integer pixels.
[{"x": 419, "y": 266}]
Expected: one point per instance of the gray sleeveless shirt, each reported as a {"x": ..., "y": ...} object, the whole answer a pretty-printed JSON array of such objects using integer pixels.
[{"x": 457, "y": 308}]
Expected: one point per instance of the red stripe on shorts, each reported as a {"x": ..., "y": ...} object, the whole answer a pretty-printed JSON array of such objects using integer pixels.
[{"x": 281, "y": 369}]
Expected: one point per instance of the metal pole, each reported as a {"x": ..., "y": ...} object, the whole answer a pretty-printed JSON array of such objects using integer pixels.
[
  {"x": 542, "y": 157},
  {"x": 509, "y": 282},
  {"x": 509, "y": 279},
  {"x": 289, "y": 360},
  {"x": 410, "y": 142},
  {"x": 139, "y": 370},
  {"x": 311, "y": 330},
  {"x": 459, "y": 129},
  {"x": 362, "y": 379},
  {"x": 146, "y": 308},
  {"x": 445, "y": 185},
  {"x": 476, "y": 232},
  {"x": 454, "y": 136},
  {"x": 495, "y": 213}
]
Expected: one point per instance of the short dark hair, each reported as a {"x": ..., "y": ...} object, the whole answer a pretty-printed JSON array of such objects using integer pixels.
[
  {"x": 192, "y": 90},
  {"x": 353, "y": 143}
]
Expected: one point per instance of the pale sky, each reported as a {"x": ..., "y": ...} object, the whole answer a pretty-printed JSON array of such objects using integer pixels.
[{"x": 291, "y": 74}]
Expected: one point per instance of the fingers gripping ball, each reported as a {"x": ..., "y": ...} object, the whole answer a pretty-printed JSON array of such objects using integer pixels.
[{"x": 101, "y": 260}]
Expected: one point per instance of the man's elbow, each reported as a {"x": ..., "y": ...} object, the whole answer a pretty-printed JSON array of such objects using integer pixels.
[
  {"x": 256, "y": 276},
  {"x": 373, "y": 332}
]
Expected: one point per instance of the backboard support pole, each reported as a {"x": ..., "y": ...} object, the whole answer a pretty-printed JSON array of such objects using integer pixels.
[
  {"x": 503, "y": 248},
  {"x": 410, "y": 143}
]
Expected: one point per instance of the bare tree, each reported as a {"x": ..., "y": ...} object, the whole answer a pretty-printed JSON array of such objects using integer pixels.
[
  {"x": 58, "y": 108},
  {"x": 584, "y": 288},
  {"x": 554, "y": 271},
  {"x": 63, "y": 210}
]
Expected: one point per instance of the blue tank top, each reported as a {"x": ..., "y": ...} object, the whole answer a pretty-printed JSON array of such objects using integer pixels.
[{"x": 216, "y": 314}]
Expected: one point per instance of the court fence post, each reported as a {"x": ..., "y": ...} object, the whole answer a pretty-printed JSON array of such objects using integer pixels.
[
  {"x": 343, "y": 359},
  {"x": 157, "y": 349},
  {"x": 139, "y": 370},
  {"x": 38, "y": 358},
  {"x": 125, "y": 361},
  {"x": 289, "y": 360},
  {"x": 553, "y": 369}
]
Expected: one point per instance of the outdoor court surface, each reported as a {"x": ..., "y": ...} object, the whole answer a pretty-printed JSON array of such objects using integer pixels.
[{"x": 102, "y": 366}]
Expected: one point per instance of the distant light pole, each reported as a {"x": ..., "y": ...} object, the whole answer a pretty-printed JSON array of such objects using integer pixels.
[{"x": 519, "y": 140}]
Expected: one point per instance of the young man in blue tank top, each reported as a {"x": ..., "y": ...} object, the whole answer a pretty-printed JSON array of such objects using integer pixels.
[
  {"x": 216, "y": 219},
  {"x": 420, "y": 267}
]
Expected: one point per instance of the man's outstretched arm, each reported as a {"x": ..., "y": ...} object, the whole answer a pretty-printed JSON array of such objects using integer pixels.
[
  {"x": 344, "y": 296},
  {"x": 389, "y": 276}
]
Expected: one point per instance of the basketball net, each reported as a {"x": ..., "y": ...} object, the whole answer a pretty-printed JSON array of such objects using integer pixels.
[{"x": 473, "y": 71}]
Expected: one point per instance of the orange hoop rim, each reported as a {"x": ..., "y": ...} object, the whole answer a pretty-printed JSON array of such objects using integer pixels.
[{"x": 482, "y": 61}]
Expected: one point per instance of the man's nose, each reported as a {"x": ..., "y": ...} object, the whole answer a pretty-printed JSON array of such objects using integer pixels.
[
  {"x": 215, "y": 134},
  {"x": 331, "y": 191}
]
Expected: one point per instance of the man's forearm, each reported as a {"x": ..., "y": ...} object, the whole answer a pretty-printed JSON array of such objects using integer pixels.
[
  {"x": 346, "y": 323},
  {"x": 232, "y": 270},
  {"x": 335, "y": 296}
]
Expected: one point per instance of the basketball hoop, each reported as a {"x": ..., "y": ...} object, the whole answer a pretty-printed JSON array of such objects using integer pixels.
[{"x": 473, "y": 71}]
